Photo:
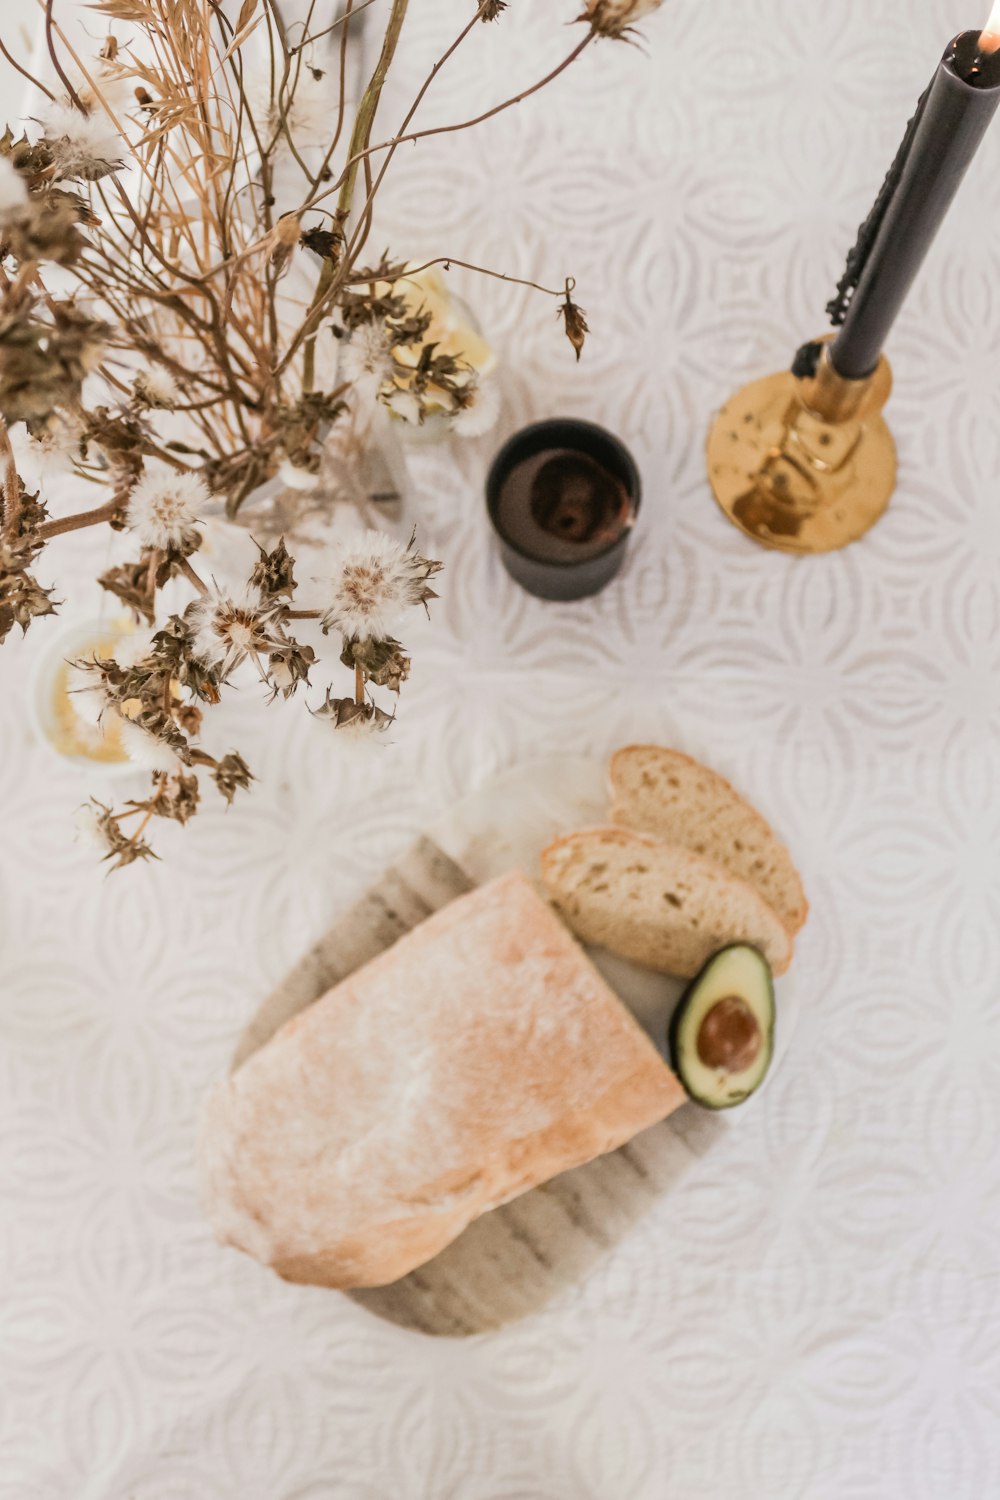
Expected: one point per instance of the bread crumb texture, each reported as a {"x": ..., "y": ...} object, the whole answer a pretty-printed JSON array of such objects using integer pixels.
[
  {"x": 660, "y": 905},
  {"x": 672, "y": 797}
]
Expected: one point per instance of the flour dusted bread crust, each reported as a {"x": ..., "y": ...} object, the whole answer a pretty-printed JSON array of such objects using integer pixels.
[
  {"x": 674, "y": 798},
  {"x": 657, "y": 904},
  {"x": 481, "y": 1055}
]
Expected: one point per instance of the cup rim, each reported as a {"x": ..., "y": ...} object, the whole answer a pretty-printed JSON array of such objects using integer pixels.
[{"x": 582, "y": 425}]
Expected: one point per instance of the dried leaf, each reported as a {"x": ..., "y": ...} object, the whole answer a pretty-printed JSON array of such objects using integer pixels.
[
  {"x": 240, "y": 38},
  {"x": 125, "y": 10},
  {"x": 345, "y": 713},
  {"x": 280, "y": 244},
  {"x": 575, "y": 320},
  {"x": 287, "y": 667},
  {"x": 326, "y": 243},
  {"x": 132, "y": 584},
  {"x": 383, "y": 662},
  {"x": 175, "y": 798},
  {"x": 274, "y": 571},
  {"x": 123, "y": 850},
  {"x": 232, "y": 774}
]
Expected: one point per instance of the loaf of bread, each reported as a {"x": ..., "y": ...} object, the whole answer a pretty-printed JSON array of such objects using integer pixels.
[
  {"x": 657, "y": 904},
  {"x": 481, "y": 1055},
  {"x": 672, "y": 797}
]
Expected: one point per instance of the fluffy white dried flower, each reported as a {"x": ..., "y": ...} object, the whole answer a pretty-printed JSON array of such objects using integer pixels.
[
  {"x": 97, "y": 826},
  {"x": 110, "y": 90},
  {"x": 133, "y": 647},
  {"x": 81, "y": 145},
  {"x": 366, "y": 358},
  {"x": 91, "y": 829},
  {"x": 13, "y": 193},
  {"x": 228, "y": 629},
  {"x": 375, "y": 581},
  {"x": 482, "y": 415},
  {"x": 41, "y": 456},
  {"x": 87, "y": 698},
  {"x": 307, "y": 114},
  {"x": 156, "y": 387},
  {"x": 163, "y": 508},
  {"x": 615, "y": 17},
  {"x": 145, "y": 749}
]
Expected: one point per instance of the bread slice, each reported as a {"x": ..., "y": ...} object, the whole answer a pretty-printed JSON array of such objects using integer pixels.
[
  {"x": 479, "y": 1056},
  {"x": 674, "y": 798},
  {"x": 657, "y": 904}
]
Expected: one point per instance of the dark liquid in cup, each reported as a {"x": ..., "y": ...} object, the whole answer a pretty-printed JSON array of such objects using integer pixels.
[{"x": 561, "y": 505}]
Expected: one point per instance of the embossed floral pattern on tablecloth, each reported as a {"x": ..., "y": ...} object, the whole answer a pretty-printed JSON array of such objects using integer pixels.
[{"x": 815, "y": 1314}]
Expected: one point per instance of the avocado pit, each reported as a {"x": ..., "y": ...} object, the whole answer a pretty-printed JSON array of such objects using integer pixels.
[{"x": 729, "y": 1037}]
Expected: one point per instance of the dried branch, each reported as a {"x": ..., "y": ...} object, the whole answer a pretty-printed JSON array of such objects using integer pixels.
[{"x": 207, "y": 347}]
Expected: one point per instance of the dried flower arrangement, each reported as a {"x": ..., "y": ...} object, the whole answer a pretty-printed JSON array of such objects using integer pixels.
[{"x": 154, "y": 340}]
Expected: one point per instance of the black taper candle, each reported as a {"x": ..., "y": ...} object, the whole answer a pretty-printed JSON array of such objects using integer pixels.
[{"x": 940, "y": 142}]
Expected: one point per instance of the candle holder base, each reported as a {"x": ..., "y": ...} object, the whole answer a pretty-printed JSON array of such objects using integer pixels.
[{"x": 805, "y": 464}]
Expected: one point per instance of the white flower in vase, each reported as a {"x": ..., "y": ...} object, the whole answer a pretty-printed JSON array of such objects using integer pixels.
[
  {"x": 155, "y": 387},
  {"x": 81, "y": 145},
  {"x": 164, "y": 508},
  {"x": 47, "y": 452},
  {"x": 366, "y": 359},
  {"x": 90, "y": 822},
  {"x": 229, "y": 628},
  {"x": 482, "y": 413},
  {"x": 146, "y": 749},
  {"x": 376, "y": 580},
  {"x": 301, "y": 109}
]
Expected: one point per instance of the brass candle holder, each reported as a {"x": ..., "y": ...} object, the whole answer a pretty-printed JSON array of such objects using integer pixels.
[{"x": 804, "y": 462}]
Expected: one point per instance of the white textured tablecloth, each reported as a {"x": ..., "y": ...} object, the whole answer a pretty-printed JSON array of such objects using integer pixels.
[{"x": 815, "y": 1314}]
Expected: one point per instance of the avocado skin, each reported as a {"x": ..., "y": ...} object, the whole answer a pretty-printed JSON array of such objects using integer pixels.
[{"x": 680, "y": 1013}]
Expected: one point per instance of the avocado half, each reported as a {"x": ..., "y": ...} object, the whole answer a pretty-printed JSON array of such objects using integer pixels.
[{"x": 722, "y": 1033}]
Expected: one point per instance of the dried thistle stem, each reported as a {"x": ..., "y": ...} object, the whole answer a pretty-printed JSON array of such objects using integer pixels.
[
  {"x": 192, "y": 577},
  {"x": 373, "y": 187},
  {"x": 317, "y": 36},
  {"x": 80, "y": 520},
  {"x": 345, "y": 20},
  {"x": 35, "y": 82},
  {"x": 11, "y": 509},
  {"x": 450, "y": 260},
  {"x": 420, "y": 135},
  {"x": 330, "y": 282},
  {"x": 359, "y": 140}
]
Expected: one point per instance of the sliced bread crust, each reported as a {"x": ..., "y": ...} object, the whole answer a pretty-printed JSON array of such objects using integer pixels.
[
  {"x": 657, "y": 904},
  {"x": 668, "y": 795}
]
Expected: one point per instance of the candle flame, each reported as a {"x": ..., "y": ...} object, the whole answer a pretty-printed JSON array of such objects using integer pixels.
[{"x": 990, "y": 39}]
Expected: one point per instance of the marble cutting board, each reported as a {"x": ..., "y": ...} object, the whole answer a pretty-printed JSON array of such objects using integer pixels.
[{"x": 514, "y": 1260}]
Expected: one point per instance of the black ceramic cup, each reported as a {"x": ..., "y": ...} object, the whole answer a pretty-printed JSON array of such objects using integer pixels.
[{"x": 563, "y": 496}]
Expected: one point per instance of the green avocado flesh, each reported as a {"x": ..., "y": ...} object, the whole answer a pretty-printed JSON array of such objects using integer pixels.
[{"x": 722, "y": 1032}]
